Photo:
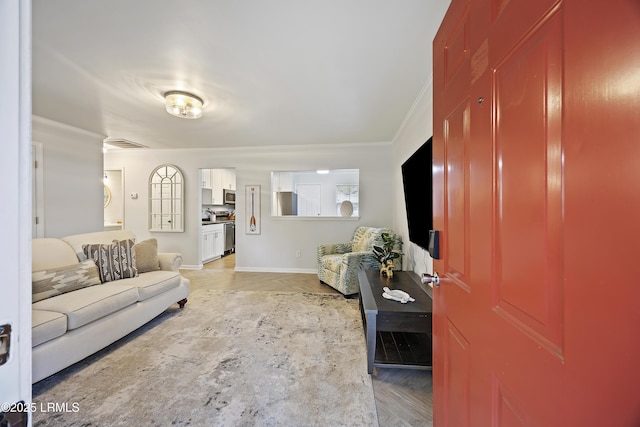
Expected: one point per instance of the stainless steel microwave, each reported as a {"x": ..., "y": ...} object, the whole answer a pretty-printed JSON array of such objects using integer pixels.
[{"x": 229, "y": 197}]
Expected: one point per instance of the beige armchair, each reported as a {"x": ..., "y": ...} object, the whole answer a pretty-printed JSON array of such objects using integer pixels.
[{"x": 338, "y": 264}]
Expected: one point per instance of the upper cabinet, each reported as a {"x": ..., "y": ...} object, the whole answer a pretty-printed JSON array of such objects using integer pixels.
[
  {"x": 216, "y": 186},
  {"x": 205, "y": 177},
  {"x": 217, "y": 180},
  {"x": 228, "y": 179}
]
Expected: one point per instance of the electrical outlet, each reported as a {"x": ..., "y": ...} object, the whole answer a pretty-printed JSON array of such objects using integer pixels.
[{"x": 298, "y": 253}]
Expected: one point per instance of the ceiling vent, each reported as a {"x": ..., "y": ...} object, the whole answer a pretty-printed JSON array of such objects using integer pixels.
[{"x": 122, "y": 143}]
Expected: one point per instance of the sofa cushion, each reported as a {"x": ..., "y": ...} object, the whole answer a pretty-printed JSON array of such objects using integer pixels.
[
  {"x": 46, "y": 325},
  {"x": 88, "y": 304},
  {"x": 152, "y": 283},
  {"x": 55, "y": 281},
  {"x": 147, "y": 255},
  {"x": 51, "y": 253},
  {"x": 115, "y": 261}
]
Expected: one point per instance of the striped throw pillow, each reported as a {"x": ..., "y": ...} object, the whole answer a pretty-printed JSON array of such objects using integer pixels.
[{"x": 115, "y": 261}]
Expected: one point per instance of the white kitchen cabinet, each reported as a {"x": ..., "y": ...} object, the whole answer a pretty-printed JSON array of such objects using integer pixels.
[
  {"x": 218, "y": 241},
  {"x": 207, "y": 243},
  {"x": 205, "y": 177},
  {"x": 212, "y": 241},
  {"x": 218, "y": 180},
  {"x": 207, "y": 196},
  {"x": 216, "y": 185},
  {"x": 282, "y": 181},
  {"x": 228, "y": 178}
]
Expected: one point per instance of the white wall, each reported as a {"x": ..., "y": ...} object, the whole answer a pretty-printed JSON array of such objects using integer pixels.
[
  {"x": 417, "y": 128},
  {"x": 275, "y": 248},
  {"x": 73, "y": 191}
]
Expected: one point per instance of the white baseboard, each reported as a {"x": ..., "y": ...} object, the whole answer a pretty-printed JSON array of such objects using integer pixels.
[
  {"x": 277, "y": 270},
  {"x": 257, "y": 269}
]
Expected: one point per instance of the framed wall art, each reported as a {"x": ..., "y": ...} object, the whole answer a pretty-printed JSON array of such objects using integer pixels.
[{"x": 252, "y": 207}]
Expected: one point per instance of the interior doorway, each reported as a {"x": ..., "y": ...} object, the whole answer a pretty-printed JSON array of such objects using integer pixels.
[
  {"x": 217, "y": 200},
  {"x": 113, "y": 199}
]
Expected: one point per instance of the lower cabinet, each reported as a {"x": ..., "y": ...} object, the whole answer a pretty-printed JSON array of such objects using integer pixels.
[
  {"x": 212, "y": 242},
  {"x": 218, "y": 241}
]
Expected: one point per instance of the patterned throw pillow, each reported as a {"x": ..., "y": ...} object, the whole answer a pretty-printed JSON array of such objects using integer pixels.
[
  {"x": 115, "y": 261},
  {"x": 147, "y": 256},
  {"x": 56, "y": 281}
]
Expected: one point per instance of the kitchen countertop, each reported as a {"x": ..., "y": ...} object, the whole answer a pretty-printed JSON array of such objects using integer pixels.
[{"x": 222, "y": 221}]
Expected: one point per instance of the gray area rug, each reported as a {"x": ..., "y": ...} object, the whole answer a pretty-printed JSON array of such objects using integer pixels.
[{"x": 230, "y": 358}]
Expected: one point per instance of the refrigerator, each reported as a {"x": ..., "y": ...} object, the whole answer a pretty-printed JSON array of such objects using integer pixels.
[{"x": 286, "y": 203}]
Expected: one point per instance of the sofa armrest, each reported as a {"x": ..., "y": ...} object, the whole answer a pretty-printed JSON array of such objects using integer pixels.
[{"x": 170, "y": 261}]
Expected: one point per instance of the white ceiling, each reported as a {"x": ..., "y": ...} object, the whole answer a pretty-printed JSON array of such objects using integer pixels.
[{"x": 271, "y": 72}]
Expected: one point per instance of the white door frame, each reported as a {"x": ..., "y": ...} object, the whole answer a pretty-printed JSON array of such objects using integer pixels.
[
  {"x": 15, "y": 219},
  {"x": 37, "y": 186}
]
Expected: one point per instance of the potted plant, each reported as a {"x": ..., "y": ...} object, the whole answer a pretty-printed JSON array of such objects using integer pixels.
[{"x": 386, "y": 253}]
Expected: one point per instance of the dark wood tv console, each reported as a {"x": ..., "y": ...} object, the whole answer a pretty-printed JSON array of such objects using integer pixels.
[{"x": 398, "y": 335}]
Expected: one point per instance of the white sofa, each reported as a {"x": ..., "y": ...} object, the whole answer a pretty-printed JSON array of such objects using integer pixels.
[{"x": 71, "y": 326}]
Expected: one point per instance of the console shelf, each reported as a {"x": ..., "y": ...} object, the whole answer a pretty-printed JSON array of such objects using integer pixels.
[
  {"x": 398, "y": 335},
  {"x": 403, "y": 349}
]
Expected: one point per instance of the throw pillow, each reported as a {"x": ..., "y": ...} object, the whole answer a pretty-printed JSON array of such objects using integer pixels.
[
  {"x": 56, "y": 281},
  {"x": 115, "y": 261},
  {"x": 147, "y": 256}
]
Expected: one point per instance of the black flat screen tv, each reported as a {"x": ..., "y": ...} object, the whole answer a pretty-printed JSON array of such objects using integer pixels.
[{"x": 417, "y": 180}]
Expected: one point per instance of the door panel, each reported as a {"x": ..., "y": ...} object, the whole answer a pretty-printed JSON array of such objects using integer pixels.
[
  {"x": 457, "y": 184},
  {"x": 529, "y": 182},
  {"x": 456, "y": 52},
  {"x": 537, "y": 194},
  {"x": 526, "y": 309},
  {"x": 457, "y": 378},
  {"x": 452, "y": 345},
  {"x": 508, "y": 408},
  {"x": 308, "y": 199},
  {"x": 602, "y": 207}
]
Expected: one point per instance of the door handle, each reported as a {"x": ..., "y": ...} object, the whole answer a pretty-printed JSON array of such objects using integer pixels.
[{"x": 431, "y": 280}]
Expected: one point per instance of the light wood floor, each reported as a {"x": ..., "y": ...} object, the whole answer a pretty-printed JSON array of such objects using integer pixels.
[{"x": 403, "y": 396}]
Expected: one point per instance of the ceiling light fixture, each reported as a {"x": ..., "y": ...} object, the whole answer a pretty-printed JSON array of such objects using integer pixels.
[{"x": 183, "y": 104}]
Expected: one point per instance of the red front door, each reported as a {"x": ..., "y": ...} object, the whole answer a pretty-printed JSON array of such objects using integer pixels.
[{"x": 537, "y": 194}]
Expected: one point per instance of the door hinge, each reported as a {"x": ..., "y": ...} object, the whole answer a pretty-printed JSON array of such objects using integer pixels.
[
  {"x": 37, "y": 220},
  {"x": 5, "y": 343},
  {"x": 15, "y": 415},
  {"x": 35, "y": 164}
]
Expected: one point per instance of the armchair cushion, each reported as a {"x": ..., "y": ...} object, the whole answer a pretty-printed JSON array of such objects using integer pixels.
[{"x": 338, "y": 263}]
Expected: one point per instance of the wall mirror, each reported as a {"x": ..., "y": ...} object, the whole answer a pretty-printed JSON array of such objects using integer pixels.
[
  {"x": 321, "y": 193},
  {"x": 166, "y": 199},
  {"x": 107, "y": 195}
]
